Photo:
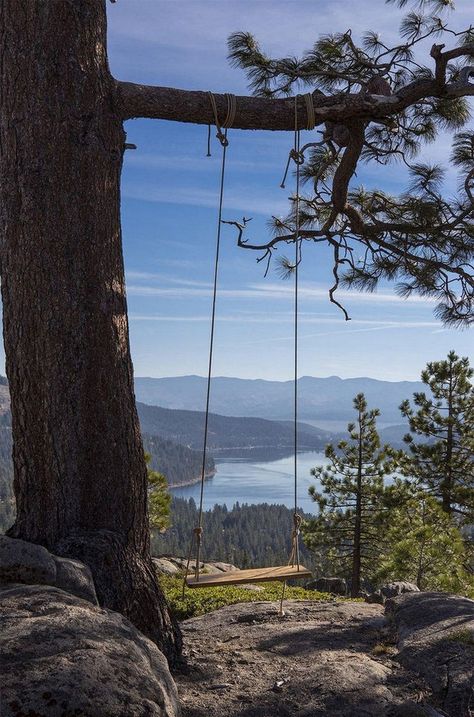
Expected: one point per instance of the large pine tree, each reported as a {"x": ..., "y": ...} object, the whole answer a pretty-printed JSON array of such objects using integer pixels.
[
  {"x": 351, "y": 505},
  {"x": 80, "y": 473},
  {"x": 443, "y": 462}
]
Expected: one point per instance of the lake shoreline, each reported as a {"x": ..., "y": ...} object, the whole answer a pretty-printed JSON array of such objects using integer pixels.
[
  {"x": 193, "y": 481},
  {"x": 257, "y": 481}
]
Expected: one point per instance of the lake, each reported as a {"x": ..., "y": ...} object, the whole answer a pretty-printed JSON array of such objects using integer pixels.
[{"x": 253, "y": 481}]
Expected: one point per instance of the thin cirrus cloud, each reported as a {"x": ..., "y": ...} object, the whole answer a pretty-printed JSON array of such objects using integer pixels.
[
  {"x": 155, "y": 276},
  {"x": 195, "y": 164},
  {"x": 380, "y": 326},
  {"x": 267, "y": 291},
  {"x": 250, "y": 201},
  {"x": 365, "y": 324}
]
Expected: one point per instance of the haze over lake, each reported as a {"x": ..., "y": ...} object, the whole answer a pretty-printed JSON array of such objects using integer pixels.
[{"x": 253, "y": 481}]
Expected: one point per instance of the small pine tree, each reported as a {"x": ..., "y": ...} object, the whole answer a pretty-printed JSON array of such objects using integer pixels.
[
  {"x": 444, "y": 464},
  {"x": 159, "y": 499},
  {"x": 426, "y": 547},
  {"x": 351, "y": 508}
]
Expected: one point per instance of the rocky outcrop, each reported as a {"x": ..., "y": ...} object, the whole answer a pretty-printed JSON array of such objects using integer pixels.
[
  {"x": 31, "y": 564},
  {"x": 63, "y": 656},
  {"x": 391, "y": 590},
  {"x": 399, "y": 587},
  {"x": 436, "y": 639},
  {"x": 167, "y": 565},
  {"x": 320, "y": 660},
  {"x": 336, "y": 586}
]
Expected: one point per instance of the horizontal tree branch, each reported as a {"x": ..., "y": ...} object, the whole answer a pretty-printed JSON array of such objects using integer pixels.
[{"x": 193, "y": 106}]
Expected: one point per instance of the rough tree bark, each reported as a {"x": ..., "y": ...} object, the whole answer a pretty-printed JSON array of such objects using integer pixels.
[{"x": 80, "y": 475}]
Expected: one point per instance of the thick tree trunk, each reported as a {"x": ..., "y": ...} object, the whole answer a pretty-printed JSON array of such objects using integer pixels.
[{"x": 80, "y": 475}]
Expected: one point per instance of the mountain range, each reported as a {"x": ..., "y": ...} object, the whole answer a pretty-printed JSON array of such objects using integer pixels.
[
  {"x": 319, "y": 399},
  {"x": 229, "y": 433}
]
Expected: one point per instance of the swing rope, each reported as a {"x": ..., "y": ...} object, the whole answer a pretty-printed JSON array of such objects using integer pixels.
[
  {"x": 295, "y": 552},
  {"x": 222, "y": 137},
  {"x": 296, "y": 517},
  {"x": 296, "y": 154}
]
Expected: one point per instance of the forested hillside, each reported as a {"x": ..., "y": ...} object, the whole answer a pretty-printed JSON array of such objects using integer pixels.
[
  {"x": 187, "y": 427},
  {"x": 245, "y": 535},
  {"x": 180, "y": 465}
]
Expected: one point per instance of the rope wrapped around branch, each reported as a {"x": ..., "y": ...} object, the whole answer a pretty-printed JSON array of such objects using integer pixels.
[{"x": 226, "y": 124}]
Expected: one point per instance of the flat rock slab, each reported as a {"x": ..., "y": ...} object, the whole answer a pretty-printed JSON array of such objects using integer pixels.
[
  {"x": 62, "y": 656},
  {"x": 436, "y": 638},
  {"x": 245, "y": 661}
]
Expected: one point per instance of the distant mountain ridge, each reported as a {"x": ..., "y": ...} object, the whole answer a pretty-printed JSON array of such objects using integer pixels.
[
  {"x": 324, "y": 399},
  {"x": 228, "y": 432}
]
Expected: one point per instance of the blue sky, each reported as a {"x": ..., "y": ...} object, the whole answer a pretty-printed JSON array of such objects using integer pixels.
[{"x": 169, "y": 197}]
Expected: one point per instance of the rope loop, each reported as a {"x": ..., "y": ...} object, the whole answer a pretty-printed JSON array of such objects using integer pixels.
[
  {"x": 229, "y": 118},
  {"x": 310, "y": 114}
]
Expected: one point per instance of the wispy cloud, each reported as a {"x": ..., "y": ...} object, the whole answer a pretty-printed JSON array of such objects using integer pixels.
[
  {"x": 154, "y": 276},
  {"x": 243, "y": 201},
  {"x": 197, "y": 163},
  {"x": 271, "y": 291},
  {"x": 380, "y": 326},
  {"x": 365, "y": 324},
  {"x": 310, "y": 292}
]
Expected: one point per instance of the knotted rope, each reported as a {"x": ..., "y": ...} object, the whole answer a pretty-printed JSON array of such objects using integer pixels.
[
  {"x": 228, "y": 122},
  {"x": 297, "y": 154}
]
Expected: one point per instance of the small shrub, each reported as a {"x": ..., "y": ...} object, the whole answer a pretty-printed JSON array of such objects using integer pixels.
[{"x": 382, "y": 649}]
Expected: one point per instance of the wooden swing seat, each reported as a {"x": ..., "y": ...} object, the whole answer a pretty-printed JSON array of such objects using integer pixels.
[{"x": 254, "y": 575}]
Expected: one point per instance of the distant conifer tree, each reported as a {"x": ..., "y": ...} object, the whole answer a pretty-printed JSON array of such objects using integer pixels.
[
  {"x": 444, "y": 463},
  {"x": 351, "y": 506}
]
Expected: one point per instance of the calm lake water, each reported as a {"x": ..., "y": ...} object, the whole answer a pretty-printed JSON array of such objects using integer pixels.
[{"x": 247, "y": 481}]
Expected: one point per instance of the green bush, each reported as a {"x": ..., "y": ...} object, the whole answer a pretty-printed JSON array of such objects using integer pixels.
[{"x": 204, "y": 600}]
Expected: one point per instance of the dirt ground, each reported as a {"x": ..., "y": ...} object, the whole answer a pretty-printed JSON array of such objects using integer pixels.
[{"x": 333, "y": 659}]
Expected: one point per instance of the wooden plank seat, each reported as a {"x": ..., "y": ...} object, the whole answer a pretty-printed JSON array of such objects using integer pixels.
[{"x": 254, "y": 575}]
